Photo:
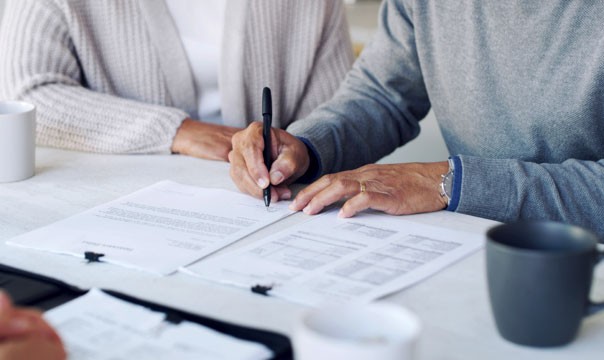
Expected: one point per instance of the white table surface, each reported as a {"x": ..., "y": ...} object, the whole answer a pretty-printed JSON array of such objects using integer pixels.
[{"x": 453, "y": 304}]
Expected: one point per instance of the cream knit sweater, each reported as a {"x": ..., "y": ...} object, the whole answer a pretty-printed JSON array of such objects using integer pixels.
[{"x": 112, "y": 76}]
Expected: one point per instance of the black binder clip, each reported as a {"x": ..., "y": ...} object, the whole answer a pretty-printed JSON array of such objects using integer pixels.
[
  {"x": 92, "y": 256},
  {"x": 262, "y": 289}
]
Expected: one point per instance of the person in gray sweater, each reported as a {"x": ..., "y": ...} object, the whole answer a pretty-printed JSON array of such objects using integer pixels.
[
  {"x": 131, "y": 76},
  {"x": 517, "y": 88}
]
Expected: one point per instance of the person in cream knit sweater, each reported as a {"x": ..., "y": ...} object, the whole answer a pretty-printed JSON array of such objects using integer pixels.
[{"x": 136, "y": 76}]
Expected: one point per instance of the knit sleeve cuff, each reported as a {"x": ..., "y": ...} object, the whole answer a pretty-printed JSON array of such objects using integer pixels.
[
  {"x": 457, "y": 178},
  {"x": 315, "y": 168}
]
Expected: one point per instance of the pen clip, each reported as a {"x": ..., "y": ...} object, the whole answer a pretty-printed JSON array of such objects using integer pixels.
[
  {"x": 267, "y": 102},
  {"x": 91, "y": 256},
  {"x": 262, "y": 289}
]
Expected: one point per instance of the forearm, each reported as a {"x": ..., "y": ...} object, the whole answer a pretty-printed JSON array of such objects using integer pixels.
[
  {"x": 352, "y": 130},
  {"x": 72, "y": 117},
  {"x": 509, "y": 190}
]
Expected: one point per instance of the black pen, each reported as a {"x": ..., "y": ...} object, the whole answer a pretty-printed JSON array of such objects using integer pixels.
[{"x": 267, "y": 117}]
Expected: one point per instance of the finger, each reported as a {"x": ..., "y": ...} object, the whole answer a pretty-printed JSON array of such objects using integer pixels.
[
  {"x": 246, "y": 184},
  {"x": 283, "y": 192},
  {"x": 6, "y": 306},
  {"x": 338, "y": 188},
  {"x": 306, "y": 194},
  {"x": 242, "y": 179},
  {"x": 15, "y": 327},
  {"x": 10, "y": 323},
  {"x": 369, "y": 200},
  {"x": 31, "y": 348},
  {"x": 36, "y": 323},
  {"x": 250, "y": 145},
  {"x": 5, "y": 302},
  {"x": 275, "y": 143},
  {"x": 20, "y": 322},
  {"x": 16, "y": 324},
  {"x": 291, "y": 159}
]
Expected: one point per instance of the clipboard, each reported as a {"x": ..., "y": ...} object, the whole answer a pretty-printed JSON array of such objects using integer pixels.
[{"x": 34, "y": 290}]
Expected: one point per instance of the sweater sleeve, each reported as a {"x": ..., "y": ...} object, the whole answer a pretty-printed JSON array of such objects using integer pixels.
[
  {"x": 380, "y": 103},
  {"x": 378, "y": 108},
  {"x": 40, "y": 65},
  {"x": 509, "y": 190}
]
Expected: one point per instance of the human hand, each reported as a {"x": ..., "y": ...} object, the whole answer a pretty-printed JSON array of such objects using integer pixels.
[
  {"x": 203, "y": 140},
  {"x": 24, "y": 334},
  {"x": 248, "y": 171},
  {"x": 31, "y": 348},
  {"x": 396, "y": 189}
]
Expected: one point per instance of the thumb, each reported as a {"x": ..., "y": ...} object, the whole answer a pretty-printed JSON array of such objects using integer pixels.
[
  {"x": 283, "y": 170},
  {"x": 292, "y": 159}
]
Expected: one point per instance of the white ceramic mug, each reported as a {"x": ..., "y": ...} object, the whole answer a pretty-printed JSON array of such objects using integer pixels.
[
  {"x": 17, "y": 140},
  {"x": 357, "y": 332}
]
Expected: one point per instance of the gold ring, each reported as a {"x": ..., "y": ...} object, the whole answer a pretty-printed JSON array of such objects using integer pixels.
[{"x": 363, "y": 187}]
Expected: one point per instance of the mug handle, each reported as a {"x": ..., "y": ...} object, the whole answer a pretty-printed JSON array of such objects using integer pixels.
[{"x": 595, "y": 307}]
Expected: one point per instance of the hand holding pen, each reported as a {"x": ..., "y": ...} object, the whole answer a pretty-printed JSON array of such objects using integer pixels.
[{"x": 288, "y": 161}]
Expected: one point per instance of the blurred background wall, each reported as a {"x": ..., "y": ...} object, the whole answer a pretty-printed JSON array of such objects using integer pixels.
[{"x": 362, "y": 17}]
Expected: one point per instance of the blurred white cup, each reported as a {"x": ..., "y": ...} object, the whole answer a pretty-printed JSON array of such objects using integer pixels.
[
  {"x": 357, "y": 332},
  {"x": 17, "y": 140}
]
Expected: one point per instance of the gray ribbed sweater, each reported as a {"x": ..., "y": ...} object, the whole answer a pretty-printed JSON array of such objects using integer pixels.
[
  {"x": 112, "y": 76},
  {"x": 516, "y": 86}
]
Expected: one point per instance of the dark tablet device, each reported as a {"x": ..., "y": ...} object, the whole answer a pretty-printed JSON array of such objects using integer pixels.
[{"x": 30, "y": 289}]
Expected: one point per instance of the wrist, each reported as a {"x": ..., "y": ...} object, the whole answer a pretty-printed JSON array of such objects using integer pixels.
[
  {"x": 446, "y": 184},
  {"x": 456, "y": 183},
  {"x": 179, "y": 138}
]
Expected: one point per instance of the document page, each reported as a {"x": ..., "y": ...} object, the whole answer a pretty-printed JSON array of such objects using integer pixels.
[
  {"x": 159, "y": 228},
  {"x": 97, "y": 326},
  {"x": 332, "y": 260}
]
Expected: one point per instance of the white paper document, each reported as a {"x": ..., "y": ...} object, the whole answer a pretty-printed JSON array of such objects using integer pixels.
[
  {"x": 331, "y": 260},
  {"x": 97, "y": 326},
  {"x": 159, "y": 228}
]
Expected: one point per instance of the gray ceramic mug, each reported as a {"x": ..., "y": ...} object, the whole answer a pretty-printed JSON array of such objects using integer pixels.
[{"x": 539, "y": 277}]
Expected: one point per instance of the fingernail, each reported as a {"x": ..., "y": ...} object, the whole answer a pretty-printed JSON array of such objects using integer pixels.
[
  {"x": 262, "y": 183},
  {"x": 19, "y": 324},
  {"x": 286, "y": 195},
  {"x": 306, "y": 210},
  {"x": 276, "y": 177},
  {"x": 293, "y": 205},
  {"x": 341, "y": 213}
]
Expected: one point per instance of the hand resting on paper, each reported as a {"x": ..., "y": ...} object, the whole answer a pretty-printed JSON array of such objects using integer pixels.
[{"x": 396, "y": 189}]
